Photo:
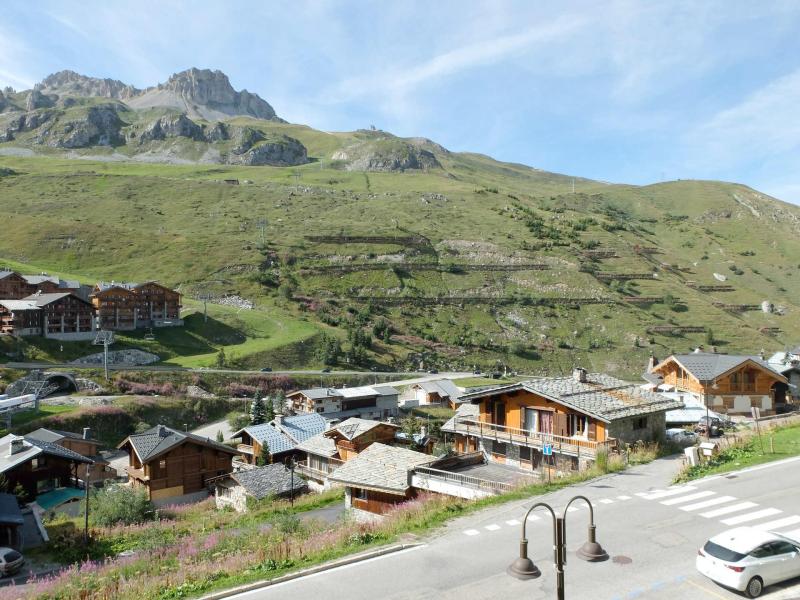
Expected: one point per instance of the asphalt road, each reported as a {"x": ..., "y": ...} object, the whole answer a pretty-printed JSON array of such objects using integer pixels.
[{"x": 651, "y": 531}]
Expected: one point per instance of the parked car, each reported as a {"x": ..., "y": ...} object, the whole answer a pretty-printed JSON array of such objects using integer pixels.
[
  {"x": 433, "y": 371},
  {"x": 11, "y": 561},
  {"x": 326, "y": 370},
  {"x": 476, "y": 372},
  {"x": 718, "y": 426},
  {"x": 681, "y": 436},
  {"x": 748, "y": 560},
  {"x": 266, "y": 369}
]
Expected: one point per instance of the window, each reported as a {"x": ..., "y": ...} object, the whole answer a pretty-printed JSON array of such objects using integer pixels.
[
  {"x": 499, "y": 449},
  {"x": 779, "y": 548},
  {"x": 762, "y": 551},
  {"x": 524, "y": 453},
  {"x": 360, "y": 494},
  {"x": 735, "y": 382},
  {"x": 577, "y": 425},
  {"x": 162, "y": 464},
  {"x": 321, "y": 409},
  {"x": 640, "y": 423}
]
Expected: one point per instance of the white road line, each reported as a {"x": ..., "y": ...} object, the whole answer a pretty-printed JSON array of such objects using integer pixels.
[
  {"x": 533, "y": 517},
  {"x": 759, "y": 514},
  {"x": 643, "y": 494},
  {"x": 707, "y": 503},
  {"x": 572, "y": 509},
  {"x": 666, "y": 493},
  {"x": 623, "y": 497},
  {"x": 778, "y": 524},
  {"x": 688, "y": 498},
  {"x": 492, "y": 527},
  {"x": 728, "y": 509},
  {"x": 471, "y": 532},
  {"x": 607, "y": 501},
  {"x": 512, "y": 522}
]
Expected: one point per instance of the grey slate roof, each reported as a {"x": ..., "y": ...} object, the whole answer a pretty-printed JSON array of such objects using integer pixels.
[
  {"x": 273, "y": 479},
  {"x": 4, "y": 273},
  {"x": 705, "y": 366},
  {"x": 288, "y": 433},
  {"x": 604, "y": 397},
  {"x": 354, "y": 427},
  {"x": 45, "y": 299},
  {"x": 382, "y": 468},
  {"x": 385, "y": 390},
  {"x": 53, "y": 435},
  {"x": 319, "y": 445},
  {"x": 463, "y": 410},
  {"x": 159, "y": 439},
  {"x": 444, "y": 387},
  {"x": 19, "y": 304},
  {"x": 31, "y": 449},
  {"x": 653, "y": 378}
]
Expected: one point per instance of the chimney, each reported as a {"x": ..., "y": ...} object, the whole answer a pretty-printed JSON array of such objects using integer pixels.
[
  {"x": 87, "y": 433},
  {"x": 162, "y": 431},
  {"x": 278, "y": 419},
  {"x": 762, "y": 354},
  {"x": 651, "y": 363},
  {"x": 579, "y": 374},
  {"x": 17, "y": 445},
  {"x": 423, "y": 431}
]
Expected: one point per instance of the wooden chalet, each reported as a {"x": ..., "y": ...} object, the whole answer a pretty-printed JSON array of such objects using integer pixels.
[
  {"x": 575, "y": 417},
  {"x": 13, "y": 286},
  {"x": 82, "y": 443},
  {"x": 127, "y": 306},
  {"x": 170, "y": 464},
  {"x": 61, "y": 316},
  {"x": 280, "y": 436},
  {"x": 728, "y": 384},
  {"x": 38, "y": 466},
  {"x": 20, "y": 318}
]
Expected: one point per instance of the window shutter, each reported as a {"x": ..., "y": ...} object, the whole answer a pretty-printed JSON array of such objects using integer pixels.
[{"x": 592, "y": 430}]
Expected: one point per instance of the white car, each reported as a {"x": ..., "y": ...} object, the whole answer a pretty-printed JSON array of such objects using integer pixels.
[
  {"x": 681, "y": 436},
  {"x": 11, "y": 561},
  {"x": 748, "y": 560}
]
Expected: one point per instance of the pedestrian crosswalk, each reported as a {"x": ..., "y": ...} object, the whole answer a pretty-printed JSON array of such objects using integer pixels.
[{"x": 730, "y": 511}]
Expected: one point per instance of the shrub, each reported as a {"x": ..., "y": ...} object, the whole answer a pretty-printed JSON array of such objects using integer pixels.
[{"x": 117, "y": 504}]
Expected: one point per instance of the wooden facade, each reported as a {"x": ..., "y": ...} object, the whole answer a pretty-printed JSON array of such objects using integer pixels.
[
  {"x": 17, "y": 319},
  {"x": 123, "y": 307},
  {"x": 13, "y": 286},
  {"x": 737, "y": 390},
  {"x": 42, "y": 474},
  {"x": 184, "y": 469},
  {"x": 378, "y": 503},
  {"x": 347, "y": 449},
  {"x": 64, "y": 313}
]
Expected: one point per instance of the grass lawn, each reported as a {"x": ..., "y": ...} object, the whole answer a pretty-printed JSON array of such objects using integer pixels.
[
  {"x": 778, "y": 443},
  {"x": 468, "y": 382},
  {"x": 31, "y": 414}
]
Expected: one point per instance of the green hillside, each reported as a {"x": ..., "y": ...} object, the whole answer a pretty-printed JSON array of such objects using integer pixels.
[{"x": 466, "y": 262}]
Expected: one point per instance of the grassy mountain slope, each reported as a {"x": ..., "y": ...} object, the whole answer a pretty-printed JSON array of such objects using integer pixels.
[{"x": 181, "y": 224}]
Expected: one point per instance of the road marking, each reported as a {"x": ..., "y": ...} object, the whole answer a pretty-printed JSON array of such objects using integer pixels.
[
  {"x": 607, "y": 501},
  {"x": 666, "y": 493},
  {"x": 572, "y": 509},
  {"x": 778, "y": 524},
  {"x": 794, "y": 534},
  {"x": 707, "y": 503},
  {"x": 623, "y": 497},
  {"x": 471, "y": 532},
  {"x": 759, "y": 514},
  {"x": 533, "y": 517},
  {"x": 492, "y": 527},
  {"x": 688, "y": 498},
  {"x": 706, "y": 590},
  {"x": 512, "y": 522},
  {"x": 728, "y": 509}
]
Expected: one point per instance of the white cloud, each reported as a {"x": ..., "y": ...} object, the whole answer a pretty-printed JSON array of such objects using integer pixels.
[{"x": 12, "y": 60}]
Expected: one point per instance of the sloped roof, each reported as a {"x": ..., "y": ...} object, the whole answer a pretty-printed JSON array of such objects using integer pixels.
[
  {"x": 45, "y": 299},
  {"x": 102, "y": 286},
  {"x": 31, "y": 449},
  {"x": 318, "y": 393},
  {"x": 382, "y": 468},
  {"x": 288, "y": 433},
  {"x": 19, "y": 304},
  {"x": 319, "y": 445},
  {"x": 603, "y": 397},
  {"x": 706, "y": 366},
  {"x": 4, "y": 274},
  {"x": 10, "y": 513},
  {"x": 464, "y": 410},
  {"x": 444, "y": 387},
  {"x": 362, "y": 391},
  {"x": 160, "y": 439},
  {"x": 53, "y": 435},
  {"x": 386, "y": 390},
  {"x": 355, "y": 427},
  {"x": 268, "y": 480}
]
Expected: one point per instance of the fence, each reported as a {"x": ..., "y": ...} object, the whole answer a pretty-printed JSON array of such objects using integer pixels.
[
  {"x": 444, "y": 268},
  {"x": 495, "y": 487}
]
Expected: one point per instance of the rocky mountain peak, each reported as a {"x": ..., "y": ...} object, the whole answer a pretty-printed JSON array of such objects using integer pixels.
[{"x": 70, "y": 83}]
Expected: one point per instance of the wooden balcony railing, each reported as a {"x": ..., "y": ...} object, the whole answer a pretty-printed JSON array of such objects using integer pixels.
[
  {"x": 319, "y": 474},
  {"x": 575, "y": 446},
  {"x": 245, "y": 448},
  {"x": 495, "y": 487},
  {"x": 136, "y": 473}
]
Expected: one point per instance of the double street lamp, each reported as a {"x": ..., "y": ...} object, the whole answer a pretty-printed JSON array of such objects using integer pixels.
[{"x": 591, "y": 551}]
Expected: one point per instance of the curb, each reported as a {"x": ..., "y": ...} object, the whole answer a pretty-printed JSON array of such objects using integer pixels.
[{"x": 310, "y": 571}]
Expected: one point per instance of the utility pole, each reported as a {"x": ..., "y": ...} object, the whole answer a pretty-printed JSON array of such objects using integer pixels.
[{"x": 86, "y": 509}]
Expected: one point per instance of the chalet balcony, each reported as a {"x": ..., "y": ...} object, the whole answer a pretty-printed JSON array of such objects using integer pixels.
[
  {"x": 573, "y": 446},
  {"x": 245, "y": 449},
  {"x": 318, "y": 474},
  {"x": 134, "y": 473}
]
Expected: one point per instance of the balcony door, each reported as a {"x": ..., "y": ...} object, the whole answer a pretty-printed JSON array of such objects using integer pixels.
[
  {"x": 531, "y": 420},
  {"x": 545, "y": 421},
  {"x": 500, "y": 413}
]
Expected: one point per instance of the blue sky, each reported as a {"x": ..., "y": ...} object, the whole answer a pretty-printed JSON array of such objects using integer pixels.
[{"x": 619, "y": 91}]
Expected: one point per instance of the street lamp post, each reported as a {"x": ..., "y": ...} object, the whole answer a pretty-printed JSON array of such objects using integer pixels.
[
  {"x": 523, "y": 567},
  {"x": 290, "y": 462}
]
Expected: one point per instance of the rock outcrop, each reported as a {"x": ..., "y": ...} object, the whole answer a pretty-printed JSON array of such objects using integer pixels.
[
  {"x": 386, "y": 155},
  {"x": 36, "y": 99},
  {"x": 172, "y": 126},
  {"x": 280, "y": 151},
  {"x": 100, "y": 127}
]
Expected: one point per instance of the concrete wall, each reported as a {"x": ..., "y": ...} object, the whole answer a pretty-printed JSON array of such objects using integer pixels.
[
  {"x": 232, "y": 496},
  {"x": 446, "y": 487}
]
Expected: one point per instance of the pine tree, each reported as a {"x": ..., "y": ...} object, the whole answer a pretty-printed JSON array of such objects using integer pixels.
[
  {"x": 269, "y": 410},
  {"x": 221, "y": 357},
  {"x": 258, "y": 412},
  {"x": 265, "y": 458},
  {"x": 220, "y": 437}
]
